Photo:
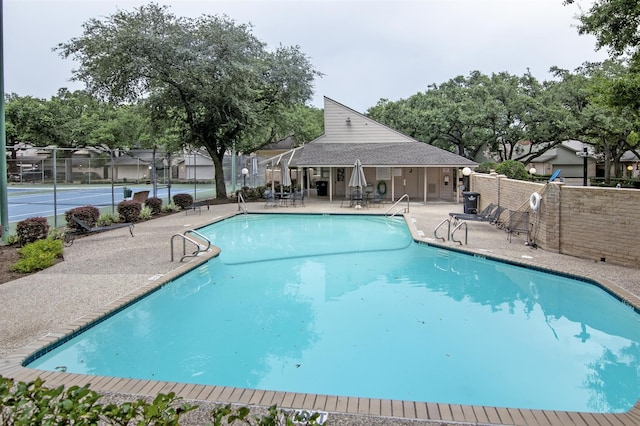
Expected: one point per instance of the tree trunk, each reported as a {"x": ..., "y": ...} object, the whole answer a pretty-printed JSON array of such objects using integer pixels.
[
  {"x": 607, "y": 165},
  {"x": 221, "y": 187}
]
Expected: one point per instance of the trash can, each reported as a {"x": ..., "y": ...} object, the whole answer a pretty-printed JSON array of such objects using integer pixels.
[
  {"x": 321, "y": 187},
  {"x": 470, "y": 200},
  {"x": 126, "y": 192}
]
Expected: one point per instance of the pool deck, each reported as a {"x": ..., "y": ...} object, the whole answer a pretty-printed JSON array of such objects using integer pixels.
[{"x": 103, "y": 271}]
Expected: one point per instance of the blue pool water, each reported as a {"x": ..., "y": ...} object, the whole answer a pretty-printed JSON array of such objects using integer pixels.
[{"x": 350, "y": 305}]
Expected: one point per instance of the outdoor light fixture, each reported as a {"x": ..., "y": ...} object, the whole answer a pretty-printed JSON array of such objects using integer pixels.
[
  {"x": 532, "y": 171},
  {"x": 245, "y": 172},
  {"x": 348, "y": 120},
  {"x": 466, "y": 172}
]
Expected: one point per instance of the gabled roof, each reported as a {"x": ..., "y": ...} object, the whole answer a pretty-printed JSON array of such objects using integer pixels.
[
  {"x": 349, "y": 135},
  {"x": 379, "y": 154}
]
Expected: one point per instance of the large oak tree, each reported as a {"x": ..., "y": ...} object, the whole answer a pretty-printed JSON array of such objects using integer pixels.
[{"x": 209, "y": 76}]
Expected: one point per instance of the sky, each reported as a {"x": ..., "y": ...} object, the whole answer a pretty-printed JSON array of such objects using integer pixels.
[{"x": 368, "y": 50}]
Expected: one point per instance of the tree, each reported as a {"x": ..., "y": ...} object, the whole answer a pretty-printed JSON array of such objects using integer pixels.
[
  {"x": 614, "y": 23},
  {"x": 479, "y": 113},
  {"x": 588, "y": 94},
  {"x": 71, "y": 120},
  {"x": 209, "y": 77}
]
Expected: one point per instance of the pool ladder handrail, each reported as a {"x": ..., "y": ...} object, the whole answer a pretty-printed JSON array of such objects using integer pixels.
[
  {"x": 451, "y": 232},
  {"x": 242, "y": 206},
  {"x": 199, "y": 246},
  {"x": 435, "y": 231},
  {"x": 406, "y": 209},
  {"x": 466, "y": 232}
]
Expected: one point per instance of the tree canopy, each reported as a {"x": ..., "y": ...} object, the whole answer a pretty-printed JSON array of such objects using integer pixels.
[{"x": 208, "y": 77}]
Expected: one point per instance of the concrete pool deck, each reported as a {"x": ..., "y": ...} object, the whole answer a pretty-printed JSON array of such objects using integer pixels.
[{"x": 103, "y": 271}]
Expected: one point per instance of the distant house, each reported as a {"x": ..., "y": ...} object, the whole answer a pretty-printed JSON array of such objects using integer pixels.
[
  {"x": 568, "y": 157},
  {"x": 393, "y": 163}
]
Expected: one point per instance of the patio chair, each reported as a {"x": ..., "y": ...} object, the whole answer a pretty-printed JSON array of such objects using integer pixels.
[
  {"x": 518, "y": 224},
  {"x": 298, "y": 197},
  {"x": 376, "y": 200},
  {"x": 86, "y": 229},
  {"x": 270, "y": 198}
]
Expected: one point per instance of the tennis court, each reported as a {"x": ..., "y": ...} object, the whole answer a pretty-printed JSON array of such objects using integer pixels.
[{"x": 44, "y": 201}]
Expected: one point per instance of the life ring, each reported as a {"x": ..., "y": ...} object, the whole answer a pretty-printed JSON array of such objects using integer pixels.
[
  {"x": 382, "y": 187},
  {"x": 534, "y": 201}
]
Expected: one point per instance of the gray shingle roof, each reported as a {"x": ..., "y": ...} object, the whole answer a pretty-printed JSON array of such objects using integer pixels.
[{"x": 377, "y": 154}]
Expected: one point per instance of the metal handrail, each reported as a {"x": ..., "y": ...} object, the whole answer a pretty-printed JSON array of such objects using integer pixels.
[
  {"x": 242, "y": 206},
  {"x": 466, "y": 233},
  {"x": 202, "y": 237},
  {"x": 406, "y": 209},
  {"x": 435, "y": 231},
  {"x": 199, "y": 247}
]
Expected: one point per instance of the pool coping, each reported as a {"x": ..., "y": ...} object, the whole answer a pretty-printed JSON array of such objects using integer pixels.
[{"x": 12, "y": 367}]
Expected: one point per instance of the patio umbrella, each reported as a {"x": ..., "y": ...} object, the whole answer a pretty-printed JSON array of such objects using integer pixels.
[
  {"x": 285, "y": 178},
  {"x": 357, "y": 176}
]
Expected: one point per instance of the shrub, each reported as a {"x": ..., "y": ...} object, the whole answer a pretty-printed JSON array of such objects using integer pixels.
[
  {"x": 183, "y": 201},
  {"x": 38, "y": 255},
  {"x": 512, "y": 169},
  {"x": 274, "y": 416},
  {"x": 32, "y": 229},
  {"x": 107, "y": 219},
  {"x": 486, "y": 167},
  {"x": 170, "y": 208},
  {"x": 129, "y": 210},
  {"x": 155, "y": 204},
  {"x": 32, "y": 403},
  {"x": 87, "y": 214},
  {"x": 24, "y": 403},
  {"x": 145, "y": 213}
]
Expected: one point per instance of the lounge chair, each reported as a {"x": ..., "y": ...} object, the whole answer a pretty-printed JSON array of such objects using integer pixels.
[
  {"x": 493, "y": 217},
  {"x": 474, "y": 216},
  {"x": 86, "y": 229}
]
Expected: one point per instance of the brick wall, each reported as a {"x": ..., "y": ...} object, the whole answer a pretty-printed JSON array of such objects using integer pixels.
[{"x": 588, "y": 222}]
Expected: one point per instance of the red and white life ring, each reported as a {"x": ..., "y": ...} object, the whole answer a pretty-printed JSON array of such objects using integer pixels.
[{"x": 534, "y": 201}]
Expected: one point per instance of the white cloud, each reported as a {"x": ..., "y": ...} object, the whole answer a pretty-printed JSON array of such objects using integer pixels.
[{"x": 367, "y": 49}]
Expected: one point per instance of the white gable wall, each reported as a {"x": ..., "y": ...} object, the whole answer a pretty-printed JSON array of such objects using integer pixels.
[{"x": 344, "y": 125}]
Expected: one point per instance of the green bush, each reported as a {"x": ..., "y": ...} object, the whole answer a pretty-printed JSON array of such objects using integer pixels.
[
  {"x": 38, "y": 255},
  {"x": 107, "y": 219},
  {"x": 155, "y": 204},
  {"x": 183, "y": 201},
  {"x": 32, "y": 229},
  {"x": 512, "y": 169},
  {"x": 486, "y": 167},
  {"x": 274, "y": 416},
  {"x": 170, "y": 208},
  {"x": 87, "y": 214},
  {"x": 129, "y": 211},
  {"x": 145, "y": 213},
  {"x": 33, "y": 404}
]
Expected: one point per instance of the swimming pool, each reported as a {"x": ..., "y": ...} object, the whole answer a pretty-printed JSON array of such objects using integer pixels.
[{"x": 383, "y": 318}]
